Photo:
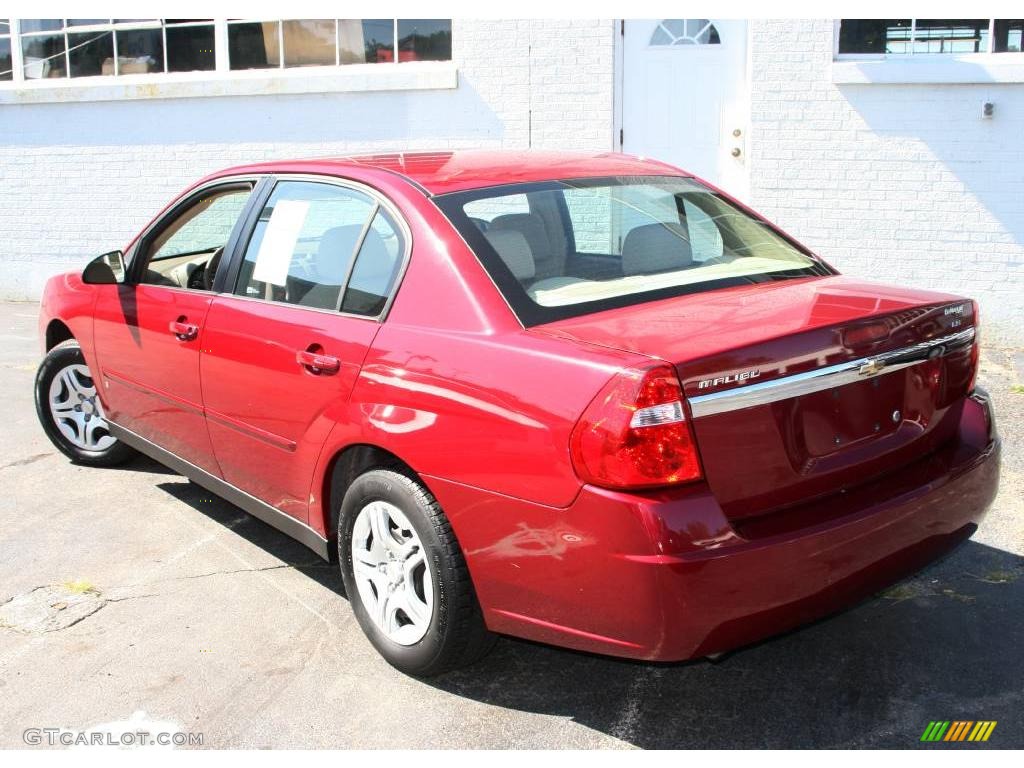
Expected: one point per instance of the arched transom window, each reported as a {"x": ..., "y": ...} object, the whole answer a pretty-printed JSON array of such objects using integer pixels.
[{"x": 685, "y": 32}]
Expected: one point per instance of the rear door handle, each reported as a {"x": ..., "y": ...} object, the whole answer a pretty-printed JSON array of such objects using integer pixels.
[
  {"x": 317, "y": 363},
  {"x": 184, "y": 331}
]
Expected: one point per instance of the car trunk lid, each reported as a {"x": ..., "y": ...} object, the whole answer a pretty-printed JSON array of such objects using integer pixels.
[{"x": 801, "y": 389}]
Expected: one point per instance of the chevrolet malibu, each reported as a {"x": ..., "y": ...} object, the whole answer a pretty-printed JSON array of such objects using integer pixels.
[{"x": 587, "y": 400}]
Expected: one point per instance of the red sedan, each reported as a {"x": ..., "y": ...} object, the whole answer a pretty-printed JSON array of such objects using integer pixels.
[{"x": 583, "y": 399}]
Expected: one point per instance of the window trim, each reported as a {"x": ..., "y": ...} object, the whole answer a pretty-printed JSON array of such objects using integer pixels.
[{"x": 251, "y": 216}]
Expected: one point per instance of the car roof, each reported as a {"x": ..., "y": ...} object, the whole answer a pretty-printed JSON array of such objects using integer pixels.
[{"x": 439, "y": 173}]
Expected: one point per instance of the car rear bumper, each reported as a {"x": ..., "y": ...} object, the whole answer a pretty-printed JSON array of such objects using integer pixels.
[{"x": 667, "y": 576}]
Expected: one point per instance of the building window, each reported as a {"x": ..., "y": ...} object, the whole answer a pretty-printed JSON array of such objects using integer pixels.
[
  {"x": 685, "y": 32},
  {"x": 929, "y": 36},
  {"x": 424, "y": 39},
  {"x": 1009, "y": 36},
  {"x": 307, "y": 42},
  {"x": 63, "y": 48},
  {"x": 189, "y": 45},
  {"x": 6, "y": 67},
  {"x": 58, "y": 48}
]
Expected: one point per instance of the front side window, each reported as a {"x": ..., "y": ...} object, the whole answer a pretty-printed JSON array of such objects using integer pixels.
[
  {"x": 619, "y": 241},
  {"x": 186, "y": 252},
  {"x": 322, "y": 246}
]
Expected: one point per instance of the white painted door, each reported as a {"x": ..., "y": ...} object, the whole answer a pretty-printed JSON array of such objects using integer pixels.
[{"x": 685, "y": 98}]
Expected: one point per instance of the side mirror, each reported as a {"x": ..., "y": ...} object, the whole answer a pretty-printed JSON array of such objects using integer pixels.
[{"x": 107, "y": 269}]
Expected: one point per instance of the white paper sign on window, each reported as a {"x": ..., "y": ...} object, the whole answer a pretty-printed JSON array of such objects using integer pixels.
[{"x": 279, "y": 240}]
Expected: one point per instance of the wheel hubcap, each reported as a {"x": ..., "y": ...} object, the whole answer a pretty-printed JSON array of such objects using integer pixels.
[
  {"x": 76, "y": 409},
  {"x": 392, "y": 573}
]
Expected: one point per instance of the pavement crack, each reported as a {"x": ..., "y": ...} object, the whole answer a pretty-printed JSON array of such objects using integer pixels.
[
  {"x": 129, "y": 597},
  {"x": 232, "y": 572}
]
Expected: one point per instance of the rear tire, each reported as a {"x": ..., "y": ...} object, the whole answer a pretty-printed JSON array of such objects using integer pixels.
[
  {"x": 412, "y": 595},
  {"x": 70, "y": 411}
]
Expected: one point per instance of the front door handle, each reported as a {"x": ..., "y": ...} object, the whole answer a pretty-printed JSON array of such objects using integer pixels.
[
  {"x": 184, "y": 331},
  {"x": 318, "y": 363}
]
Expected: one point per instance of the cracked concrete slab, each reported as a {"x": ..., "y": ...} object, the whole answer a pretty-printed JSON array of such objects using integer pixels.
[
  {"x": 215, "y": 623},
  {"x": 50, "y": 608}
]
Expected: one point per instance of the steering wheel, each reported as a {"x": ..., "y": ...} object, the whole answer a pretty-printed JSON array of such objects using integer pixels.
[{"x": 210, "y": 270}]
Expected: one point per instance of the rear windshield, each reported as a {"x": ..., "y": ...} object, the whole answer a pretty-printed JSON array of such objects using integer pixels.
[{"x": 566, "y": 248}]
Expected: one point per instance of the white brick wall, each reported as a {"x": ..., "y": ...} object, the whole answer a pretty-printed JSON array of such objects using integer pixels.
[
  {"x": 77, "y": 179},
  {"x": 902, "y": 183}
]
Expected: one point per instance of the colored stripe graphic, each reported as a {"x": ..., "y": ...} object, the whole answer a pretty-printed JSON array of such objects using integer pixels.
[
  {"x": 935, "y": 730},
  {"x": 983, "y": 730},
  {"x": 958, "y": 730}
]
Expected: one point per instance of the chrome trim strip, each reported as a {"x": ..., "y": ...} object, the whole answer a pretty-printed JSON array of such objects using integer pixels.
[
  {"x": 255, "y": 507},
  {"x": 831, "y": 376}
]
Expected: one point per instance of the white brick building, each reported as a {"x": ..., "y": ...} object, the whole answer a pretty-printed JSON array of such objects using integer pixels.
[{"x": 870, "y": 144}]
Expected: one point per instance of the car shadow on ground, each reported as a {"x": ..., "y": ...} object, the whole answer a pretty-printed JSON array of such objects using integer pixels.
[
  {"x": 143, "y": 463},
  {"x": 942, "y": 645},
  {"x": 945, "y": 644},
  {"x": 267, "y": 538}
]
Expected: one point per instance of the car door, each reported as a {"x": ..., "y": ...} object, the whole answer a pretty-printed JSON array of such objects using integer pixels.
[
  {"x": 148, "y": 331},
  {"x": 284, "y": 343}
]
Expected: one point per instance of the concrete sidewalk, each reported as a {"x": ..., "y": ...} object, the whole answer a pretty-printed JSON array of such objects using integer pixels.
[{"x": 184, "y": 613}]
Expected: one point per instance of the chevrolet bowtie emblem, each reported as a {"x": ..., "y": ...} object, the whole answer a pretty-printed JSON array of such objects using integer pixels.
[{"x": 871, "y": 367}]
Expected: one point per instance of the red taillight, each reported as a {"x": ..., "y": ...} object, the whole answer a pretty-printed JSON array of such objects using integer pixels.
[
  {"x": 635, "y": 434},
  {"x": 975, "y": 348}
]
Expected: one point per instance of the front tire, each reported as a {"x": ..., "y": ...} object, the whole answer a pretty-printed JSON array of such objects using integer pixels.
[
  {"x": 70, "y": 410},
  {"x": 406, "y": 576}
]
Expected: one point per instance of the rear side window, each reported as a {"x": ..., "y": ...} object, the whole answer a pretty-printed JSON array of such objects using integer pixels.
[
  {"x": 376, "y": 268},
  {"x": 322, "y": 246}
]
